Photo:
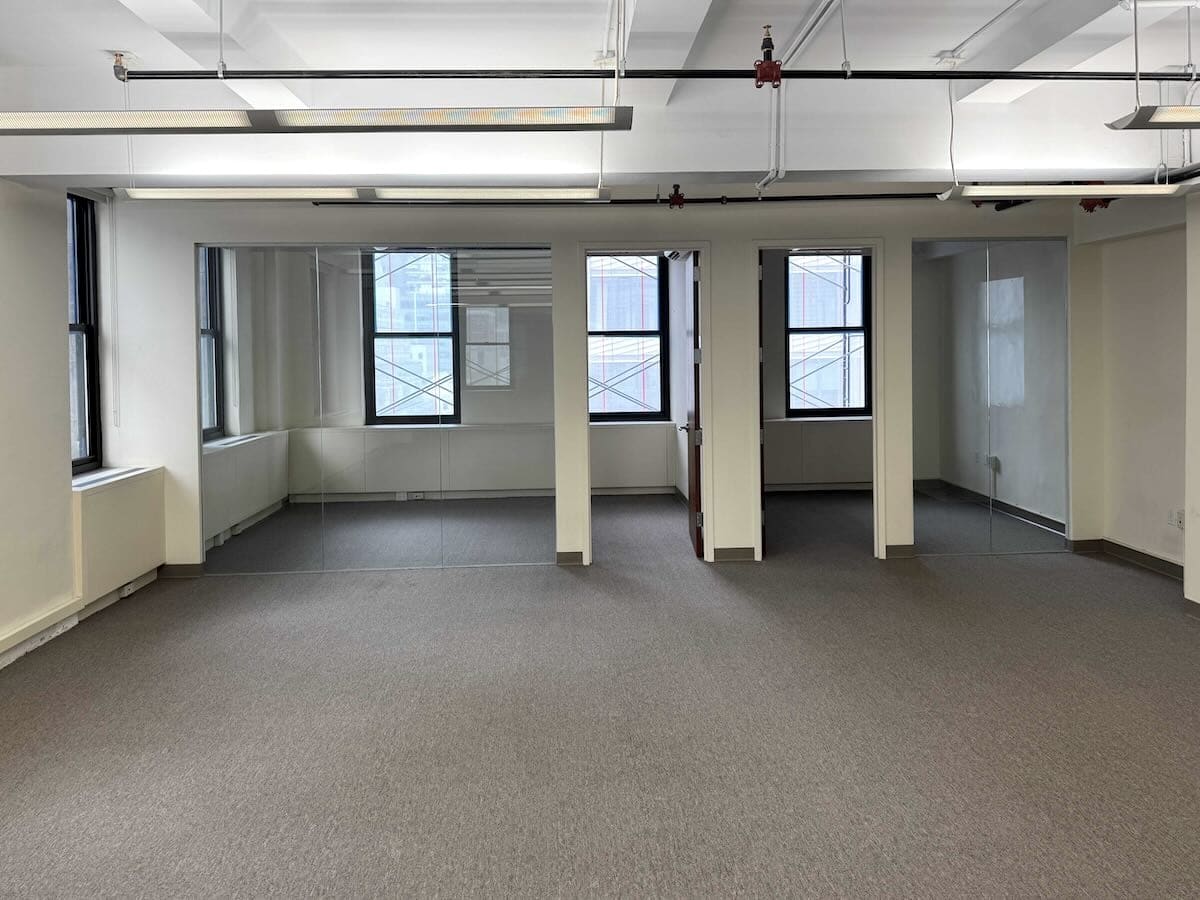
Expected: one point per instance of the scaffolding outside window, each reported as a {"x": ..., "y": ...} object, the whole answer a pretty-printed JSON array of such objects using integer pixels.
[
  {"x": 627, "y": 337},
  {"x": 828, "y": 334}
]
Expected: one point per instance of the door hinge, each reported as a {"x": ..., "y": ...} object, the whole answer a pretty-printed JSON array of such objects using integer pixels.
[
  {"x": 695, "y": 274},
  {"x": 696, "y": 356},
  {"x": 760, "y": 271},
  {"x": 762, "y": 437},
  {"x": 760, "y": 356},
  {"x": 699, "y": 519},
  {"x": 699, "y": 433}
]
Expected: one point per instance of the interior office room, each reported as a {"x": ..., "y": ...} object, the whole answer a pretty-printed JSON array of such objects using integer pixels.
[
  {"x": 817, "y": 433},
  {"x": 593, "y": 449}
]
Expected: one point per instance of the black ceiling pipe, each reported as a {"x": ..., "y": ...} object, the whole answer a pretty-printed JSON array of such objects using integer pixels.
[
  {"x": 683, "y": 74},
  {"x": 636, "y": 201}
]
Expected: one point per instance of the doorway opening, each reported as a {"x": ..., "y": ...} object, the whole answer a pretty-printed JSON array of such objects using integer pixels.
[
  {"x": 644, "y": 403},
  {"x": 817, "y": 433}
]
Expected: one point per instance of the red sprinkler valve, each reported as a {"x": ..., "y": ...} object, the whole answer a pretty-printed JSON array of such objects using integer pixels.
[
  {"x": 768, "y": 69},
  {"x": 675, "y": 199}
]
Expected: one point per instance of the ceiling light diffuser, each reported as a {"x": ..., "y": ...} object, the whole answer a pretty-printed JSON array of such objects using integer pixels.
[
  {"x": 304, "y": 121},
  {"x": 125, "y": 121},
  {"x": 492, "y": 194},
  {"x": 1159, "y": 117},
  {"x": 246, "y": 193},
  {"x": 1082, "y": 191},
  {"x": 504, "y": 118}
]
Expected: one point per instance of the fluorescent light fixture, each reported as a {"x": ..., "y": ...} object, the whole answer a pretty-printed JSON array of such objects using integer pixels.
[
  {"x": 491, "y": 194},
  {"x": 1161, "y": 4},
  {"x": 246, "y": 193},
  {"x": 125, "y": 121},
  {"x": 1081, "y": 191},
  {"x": 293, "y": 121},
  {"x": 1159, "y": 117},
  {"x": 504, "y": 118}
]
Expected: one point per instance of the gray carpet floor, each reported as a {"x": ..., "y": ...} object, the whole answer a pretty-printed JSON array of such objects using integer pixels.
[
  {"x": 821, "y": 724},
  {"x": 314, "y": 537},
  {"x": 947, "y": 523}
]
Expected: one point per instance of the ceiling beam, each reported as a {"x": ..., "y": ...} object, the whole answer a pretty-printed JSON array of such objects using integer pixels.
[
  {"x": 661, "y": 34},
  {"x": 192, "y": 26},
  {"x": 1055, "y": 36}
]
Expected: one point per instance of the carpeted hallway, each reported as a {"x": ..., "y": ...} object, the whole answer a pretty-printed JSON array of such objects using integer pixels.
[{"x": 820, "y": 724}]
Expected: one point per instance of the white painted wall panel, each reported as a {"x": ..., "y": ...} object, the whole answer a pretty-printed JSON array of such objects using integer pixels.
[
  {"x": 35, "y": 478},
  {"x": 1145, "y": 316},
  {"x": 635, "y": 455}
]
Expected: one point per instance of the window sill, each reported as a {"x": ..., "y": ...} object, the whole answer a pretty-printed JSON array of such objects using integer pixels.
[
  {"x": 101, "y": 477},
  {"x": 423, "y": 426},
  {"x": 231, "y": 440}
]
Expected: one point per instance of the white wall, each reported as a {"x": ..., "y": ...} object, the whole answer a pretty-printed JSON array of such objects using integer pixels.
[
  {"x": 156, "y": 278},
  {"x": 1145, "y": 317},
  {"x": 36, "y": 584}
]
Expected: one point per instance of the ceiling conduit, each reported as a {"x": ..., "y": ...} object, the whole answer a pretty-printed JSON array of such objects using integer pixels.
[{"x": 603, "y": 74}]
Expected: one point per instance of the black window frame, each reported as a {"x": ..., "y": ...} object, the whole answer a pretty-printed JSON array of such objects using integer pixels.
[
  {"x": 210, "y": 296},
  {"x": 370, "y": 417},
  {"x": 86, "y": 322},
  {"x": 662, "y": 333},
  {"x": 838, "y": 412}
]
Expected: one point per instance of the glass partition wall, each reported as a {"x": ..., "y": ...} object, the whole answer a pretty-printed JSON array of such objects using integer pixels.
[
  {"x": 990, "y": 396},
  {"x": 386, "y": 407}
]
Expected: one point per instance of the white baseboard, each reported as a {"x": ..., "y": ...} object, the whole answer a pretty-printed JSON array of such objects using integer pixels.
[
  {"x": 30, "y": 636},
  {"x": 12, "y": 654}
]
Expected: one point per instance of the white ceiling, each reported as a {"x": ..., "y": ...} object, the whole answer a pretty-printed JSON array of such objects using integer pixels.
[{"x": 53, "y": 56}]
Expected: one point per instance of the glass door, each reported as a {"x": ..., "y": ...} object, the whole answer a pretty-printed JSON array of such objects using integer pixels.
[
  {"x": 989, "y": 396},
  {"x": 951, "y": 440},
  {"x": 1027, "y": 395}
]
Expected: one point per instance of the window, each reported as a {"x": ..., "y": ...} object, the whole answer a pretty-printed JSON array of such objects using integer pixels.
[
  {"x": 411, "y": 338},
  {"x": 212, "y": 345},
  {"x": 828, "y": 325},
  {"x": 488, "y": 360},
  {"x": 84, "y": 350},
  {"x": 627, "y": 337}
]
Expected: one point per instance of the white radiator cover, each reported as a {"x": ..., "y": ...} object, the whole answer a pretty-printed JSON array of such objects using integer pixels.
[{"x": 119, "y": 529}]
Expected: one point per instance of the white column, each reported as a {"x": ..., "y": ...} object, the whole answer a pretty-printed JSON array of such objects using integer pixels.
[
  {"x": 1085, "y": 435},
  {"x": 893, "y": 395},
  {"x": 1191, "y": 534},
  {"x": 572, "y": 451}
]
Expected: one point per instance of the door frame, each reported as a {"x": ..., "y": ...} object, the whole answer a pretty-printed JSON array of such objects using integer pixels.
[
  {"x": 703, "y": 329},
  {"x": 874, "y": 246}
]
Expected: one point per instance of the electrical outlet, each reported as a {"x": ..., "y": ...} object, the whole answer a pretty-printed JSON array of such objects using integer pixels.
[
  {"x": 1179, "y": 519},
  {"x": 416, "y": 495}
]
